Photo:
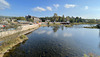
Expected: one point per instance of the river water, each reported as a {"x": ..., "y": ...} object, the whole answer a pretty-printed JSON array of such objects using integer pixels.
[{"x": 59, "y": 41}]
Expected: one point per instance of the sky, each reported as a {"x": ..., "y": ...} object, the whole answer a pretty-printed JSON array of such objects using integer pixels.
[{"x": 40, "y": 8}]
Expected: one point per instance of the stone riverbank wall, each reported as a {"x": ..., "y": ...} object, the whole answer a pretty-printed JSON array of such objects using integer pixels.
[{"x": 23, "y": 28}]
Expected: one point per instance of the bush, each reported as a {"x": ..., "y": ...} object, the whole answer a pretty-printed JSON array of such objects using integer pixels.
[{"x": 22, "y": 37}]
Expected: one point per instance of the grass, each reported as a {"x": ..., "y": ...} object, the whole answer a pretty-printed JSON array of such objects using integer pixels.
[
  {"x": 71, "y": 24},
  {"x": 12, "y": 40},
  {"x": 68, "y": 25},
  {"x": 81, "y": 23},
  {"x": 51, "y": 24},
  {"x": 91, "y": 27},
  {"x": 8, "y": 44},
  {"x": 90, "y": 55},
  {"x": 54, "y": 24}
]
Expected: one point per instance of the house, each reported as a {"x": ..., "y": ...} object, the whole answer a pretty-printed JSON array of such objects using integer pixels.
[{"x": 36, "y": 19}]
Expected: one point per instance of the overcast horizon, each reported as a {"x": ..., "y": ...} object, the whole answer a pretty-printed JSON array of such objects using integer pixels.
[{"x": 40, "y": 8}]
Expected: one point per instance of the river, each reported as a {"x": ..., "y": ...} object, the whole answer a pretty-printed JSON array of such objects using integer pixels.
[{"x": 59, "y": 41}]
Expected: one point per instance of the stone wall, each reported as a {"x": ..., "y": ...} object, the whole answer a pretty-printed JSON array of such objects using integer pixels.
[{"x": 24, "y": 27}]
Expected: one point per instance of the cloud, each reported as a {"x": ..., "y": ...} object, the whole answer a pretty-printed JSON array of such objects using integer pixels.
[
  {"x": 4, "y": 4},
  {"x": 49, "y": 8},
  {"x": 86, "y": 7},
  {"x": 56, "y": 5},
  {"x": 69, "y": 6},
  {"x": 40, "y": 9}
]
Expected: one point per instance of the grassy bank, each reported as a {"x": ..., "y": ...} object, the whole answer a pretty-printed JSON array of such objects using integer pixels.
[
  {"x": 68, "y": 25},
  {"x": 8, "y": 44},
  {"x": 97, "y": 26},
  {"x": 50, "y": 24},
  {"x": 90, "y": 55},
  {"x": 81, "y": 23},
  {"x": 91, "y": 27},
  {"x": 12, "y": 40},
  {"x": 54, "y": 24},
  {"x": 71, "y": 24}
]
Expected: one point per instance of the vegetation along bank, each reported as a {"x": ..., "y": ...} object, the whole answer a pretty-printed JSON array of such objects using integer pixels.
[{"x": 8, "y": 42}]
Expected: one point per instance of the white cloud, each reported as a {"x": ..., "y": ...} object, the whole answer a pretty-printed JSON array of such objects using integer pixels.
[
  {"x": 56, "y": 5},
  {"x": 40, "y": 9},
  {"x": 4, "y": 4},
  {"x": 69, "y": 6},
  {"x": 49, "y": 8},
  {"x": 86, "y": 7}
]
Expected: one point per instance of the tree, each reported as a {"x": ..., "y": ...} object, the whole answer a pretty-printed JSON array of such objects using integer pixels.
[
  {"x": 92, "y": 21},
  {"x": 67, "y": 18},
  {"x": 63, "y": 18},
  {"x": 77, "y": 19},
  {"x": 20, "y": 18},
  {"x": 80, "y": 19},
  {"x": 30, "y": 20},
  {"x": 55, "y": 17},
  {"x": 71, "y": 20},
  {"x": 60, "y": 19}
]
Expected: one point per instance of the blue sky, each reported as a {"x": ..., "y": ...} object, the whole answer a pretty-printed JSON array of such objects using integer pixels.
[{"x": 41, "y": 8}]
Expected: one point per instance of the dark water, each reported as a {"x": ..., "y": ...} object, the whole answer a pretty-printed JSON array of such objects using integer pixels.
[{"x": 59, "y": 41}]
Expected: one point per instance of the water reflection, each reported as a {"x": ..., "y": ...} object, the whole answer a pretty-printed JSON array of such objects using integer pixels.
[
  {"x": 19, "y": 51},
  {"x": 59, "y": 42},
  {"x": 67, "y": 34},
  {"x": 41, "y": 31},
  {"x": 55, "y": 28},
  {"x": 99, "y": 32},
  {"x": 99, "y": 38},
  {"x": 49, "y": 32},
  {"x": 62, "y": 27}
]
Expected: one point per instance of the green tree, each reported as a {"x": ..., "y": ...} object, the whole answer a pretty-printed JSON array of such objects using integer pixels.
[
  {"x": 67, "y": 18},
  {"x": 71, "y": 20},
  {"x": 63, "y": 18},
  {"x": 55, "y": 17},
  {"x": 77, "y": 19},
  {"x": 92, "y": 21},
  {"x": 30, "y": 20},
  {"x": 20, "y": 18}
]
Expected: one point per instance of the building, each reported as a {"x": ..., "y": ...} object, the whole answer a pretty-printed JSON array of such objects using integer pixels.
[{"x": 36, "y": 19}]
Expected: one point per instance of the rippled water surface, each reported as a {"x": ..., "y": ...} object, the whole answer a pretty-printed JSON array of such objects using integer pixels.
[{"x": 59, "y": 41}]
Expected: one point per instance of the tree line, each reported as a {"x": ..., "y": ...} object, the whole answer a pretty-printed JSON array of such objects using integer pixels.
[
  {"x": 72, "y": 19},
  {"x": 56, "y": 18}
]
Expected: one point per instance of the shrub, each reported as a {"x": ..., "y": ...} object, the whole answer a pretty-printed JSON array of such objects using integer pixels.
[{"x": 22, "y": 37}]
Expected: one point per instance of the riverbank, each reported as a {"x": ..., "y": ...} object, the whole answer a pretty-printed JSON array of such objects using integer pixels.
[
  {"x": 91, "y": 27},
  {"x": 44, "y": 24},
  {"x": 96, "y": 26},
  {"x": 10, "y": 41},
  {"x": 66, "y": 25},
  {"x": 81, "y": 23},
  {"x": 53, "y": 43}
]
